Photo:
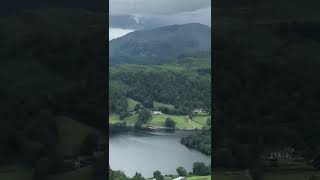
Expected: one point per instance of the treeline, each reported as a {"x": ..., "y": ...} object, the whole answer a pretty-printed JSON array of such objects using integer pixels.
[
  {"x": 200, "y": 141},
  {"x": 198, "y": 169}
]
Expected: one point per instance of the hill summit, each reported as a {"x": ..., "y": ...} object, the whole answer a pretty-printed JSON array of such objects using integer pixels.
[{"x": 159, "y": 45}]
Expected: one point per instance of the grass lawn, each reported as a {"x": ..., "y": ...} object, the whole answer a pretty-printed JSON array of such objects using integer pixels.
[
  {"x": 72, "y": 134},
  {"x": 182, "y": 122},
  {"x": 200, "y": 119},
  {"x": 132, "y": 104},
  {"x": 114, "y": 118},
  {"x": 199, "y": 178},
  {"x": 131, "y": 120}
]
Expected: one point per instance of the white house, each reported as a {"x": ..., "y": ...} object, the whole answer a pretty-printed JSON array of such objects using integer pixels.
[
  {"x": 156, "y": 112},
  {"x": 198, "y": 111}
]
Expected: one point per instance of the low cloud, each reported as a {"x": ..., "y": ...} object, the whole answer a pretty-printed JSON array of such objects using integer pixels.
[
  {"x": 156, "y": 7},
  {"x": 150, "y": 13}
]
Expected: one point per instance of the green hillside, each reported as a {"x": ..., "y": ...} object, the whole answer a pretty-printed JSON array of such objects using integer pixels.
[{"x": 176, "y": 88}]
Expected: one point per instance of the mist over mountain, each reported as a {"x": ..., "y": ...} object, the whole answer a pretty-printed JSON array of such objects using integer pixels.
[
  {"x": 133, "y": 22},
  {"x": 160, "y": 45}
]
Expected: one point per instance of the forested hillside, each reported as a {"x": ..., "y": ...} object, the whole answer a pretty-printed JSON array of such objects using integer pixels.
[{"x": 186, "y": 84}]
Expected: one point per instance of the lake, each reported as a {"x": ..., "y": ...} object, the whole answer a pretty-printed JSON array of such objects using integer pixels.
[{"x": 145, "y": 153}]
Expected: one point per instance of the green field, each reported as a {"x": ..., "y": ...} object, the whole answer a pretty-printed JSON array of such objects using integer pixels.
[
  {"x": 130, "y": 121},
  {"x": 182, "y": 122},
  {"x": 72, "y": 134},
  {"x": 132, "y": 104},
  {"x": 199, "y": 178},
  {"x": 114, "y": 118},
  {"x": 200, "y": 119}
]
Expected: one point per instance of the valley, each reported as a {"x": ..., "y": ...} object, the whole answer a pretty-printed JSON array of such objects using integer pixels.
[{"x": 153, "y": 105}]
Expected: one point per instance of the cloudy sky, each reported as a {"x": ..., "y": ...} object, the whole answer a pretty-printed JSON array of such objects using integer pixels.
[
  {"x": 155, "y": 13},
  {"x": 164, "y": 12}
]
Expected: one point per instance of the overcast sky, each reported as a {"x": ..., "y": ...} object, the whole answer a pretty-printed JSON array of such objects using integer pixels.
[{"x": 168, "y": 11}]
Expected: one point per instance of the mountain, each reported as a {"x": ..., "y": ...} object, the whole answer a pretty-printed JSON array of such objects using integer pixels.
[{"x": 159, "y": 45}]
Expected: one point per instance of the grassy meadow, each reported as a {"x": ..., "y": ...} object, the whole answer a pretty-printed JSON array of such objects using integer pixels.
[{"x": 182, "y": 122}]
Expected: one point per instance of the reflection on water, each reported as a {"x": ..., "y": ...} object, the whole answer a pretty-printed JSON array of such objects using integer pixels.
[{"x": 146, "y": 153}]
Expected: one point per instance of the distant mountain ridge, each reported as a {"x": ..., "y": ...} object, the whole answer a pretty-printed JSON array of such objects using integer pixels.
[{"x": 160, "y": 45}]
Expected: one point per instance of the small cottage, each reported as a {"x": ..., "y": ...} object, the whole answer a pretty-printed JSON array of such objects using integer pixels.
[
  {"x": 199, "y": 111},
  {"x": 157, "y": 112}
]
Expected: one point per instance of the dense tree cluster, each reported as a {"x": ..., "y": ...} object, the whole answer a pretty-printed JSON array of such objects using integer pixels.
[
  {"x": 144, "y": 116},
  {"x": 158, "y": 176},
  {"x": 182, "y": 171},
  {"x": 148, "y": 84},
  {"x": 170, "y": 88},
  {"x": 200, "y": 141},
  {"x": 170, "y": 123},
  {"x": 200, "y": 169}
]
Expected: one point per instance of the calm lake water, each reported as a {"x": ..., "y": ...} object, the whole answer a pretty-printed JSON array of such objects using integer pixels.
[{"x": 146, "y": 153}]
